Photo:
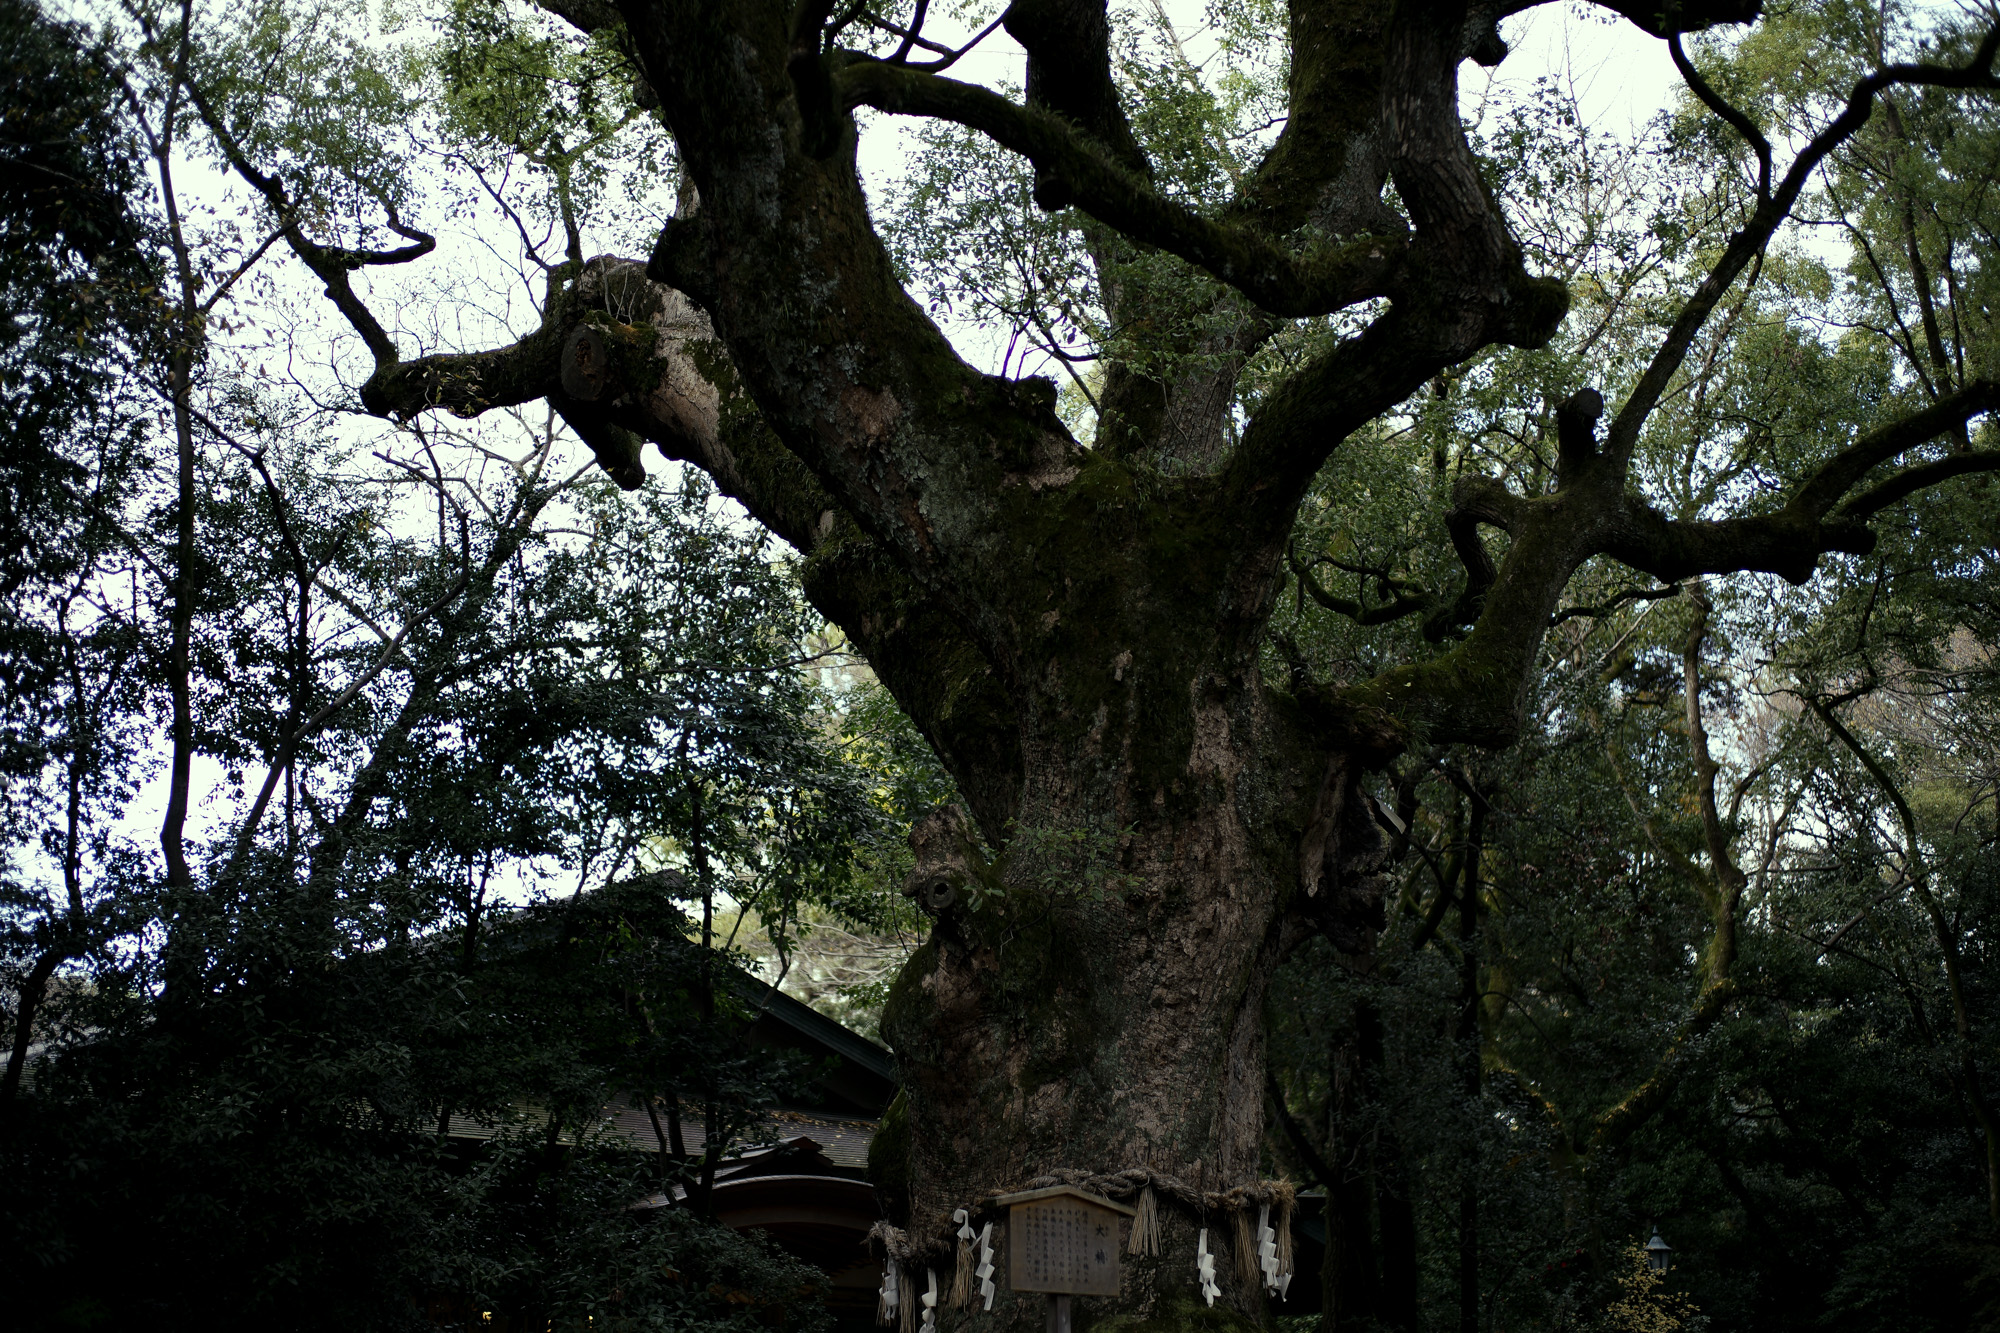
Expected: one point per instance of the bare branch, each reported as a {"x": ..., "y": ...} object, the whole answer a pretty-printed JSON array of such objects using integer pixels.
[
  {"x": 1714, "y": 101},
  {"x": 332, "y": 265},
  {"x": 1618, "y": 600},
  {"x": 1399, "y": 605}
]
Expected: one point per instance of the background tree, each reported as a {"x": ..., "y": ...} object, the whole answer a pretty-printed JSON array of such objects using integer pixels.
[
  {"x": 426, "y": 685},
  {"x": 1675, "y": 1021}
]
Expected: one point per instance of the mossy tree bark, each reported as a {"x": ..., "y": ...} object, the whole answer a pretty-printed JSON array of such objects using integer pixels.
[{"x": 1153, "y": 822}]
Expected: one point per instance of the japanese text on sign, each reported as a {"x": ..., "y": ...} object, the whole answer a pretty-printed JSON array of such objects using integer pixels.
[{"x": 1063, "y": 1245}]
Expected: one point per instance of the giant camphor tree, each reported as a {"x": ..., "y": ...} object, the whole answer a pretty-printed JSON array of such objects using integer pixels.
[{"x": 1151, "y": 818}]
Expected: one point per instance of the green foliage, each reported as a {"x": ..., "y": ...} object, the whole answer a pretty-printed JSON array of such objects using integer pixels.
[
  {"x": 1813, "y": 1146},
  {"x": 452, "y": 712},
  {"x": 78, "y": 304},
  {"x": 272, "y": 1152},
  {"x": 303, "y": 90}
]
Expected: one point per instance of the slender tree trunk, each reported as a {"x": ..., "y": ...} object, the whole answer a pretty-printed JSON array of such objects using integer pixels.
[
  {"x": 674, "y": 1139},
  {"x": 1467, "y": 1034},
  {"x": 34, "y": 987},
  {"x": 1352, "y": 1295},
  {"x": 1396, "y": 1298},
  {"x": 180, "y": 391},
  {"x": 711, "y": 1112}
]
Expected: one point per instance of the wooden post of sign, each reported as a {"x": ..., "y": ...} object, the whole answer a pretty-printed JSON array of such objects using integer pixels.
[{"x": 1062, "y": 1241}]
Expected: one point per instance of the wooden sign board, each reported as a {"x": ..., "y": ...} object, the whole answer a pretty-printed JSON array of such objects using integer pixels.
[{"x": 1063, "y": 1241}]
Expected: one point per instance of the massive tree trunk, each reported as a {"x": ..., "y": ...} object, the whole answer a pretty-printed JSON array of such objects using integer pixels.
[
  {"x": 1076, "y": 630},
  {"x": 1099, "y": 1010}
]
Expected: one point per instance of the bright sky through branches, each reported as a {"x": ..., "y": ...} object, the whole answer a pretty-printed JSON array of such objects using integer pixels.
[{"x": 1620, "y": 79}]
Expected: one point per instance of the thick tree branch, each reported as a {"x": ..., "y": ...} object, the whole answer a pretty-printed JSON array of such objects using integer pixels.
[
  {"x": 1664, "y": 18},
  {"x": 1477, "y": 692},
  {"x": 1462, "y": 287},
  {"x": 1321, "y": 279},
  {"x": 1607, "y": 1132},
  {"x": 1329, "y": 163},
  {"x": 1839, "y": 474},
  {"x": 1813, "y": 522},
  {"x": 1911, "y": 480},
  {"x": 1069, "y": 72}
]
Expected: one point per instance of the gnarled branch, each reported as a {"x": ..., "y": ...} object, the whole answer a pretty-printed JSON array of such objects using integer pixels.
[{"x": 1316, "y": 281}]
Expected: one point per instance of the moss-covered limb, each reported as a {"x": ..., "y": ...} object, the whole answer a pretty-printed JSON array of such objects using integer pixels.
[
  {"x": 469, "y": 383},
  {"x": 1608, "y": 1131},
  {"x": 1833, "y": 480},
  {"x": 1475, "y": 500},
  {"x": 465, "y": 383},
  {"x": 1326, "y": 276},
  {"x": 1787, "y": 543},
  {"x": 1477, "y": 692},
  {"x": 919, "y": 449},
  {"x": 1921, "y": 477},
  {"x": 1676, "y": 16},
  {"x": 696, "y": 408},
  {"x": 1176, "y": 418},
  {"x": 1582, "y": 1142},
  {"x": 1069, "y": 72},
  {"x": 1460, "y": 287},
  {"x": 1344, "y": 387},
  {"x": 1329, "y": 164}
]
